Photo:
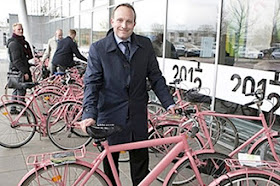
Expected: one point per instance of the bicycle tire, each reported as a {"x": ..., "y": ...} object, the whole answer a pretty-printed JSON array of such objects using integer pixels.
[
  {"x": 230, "y": 107},
  {"x": 157, "y": 153},
  {"x": 155, "y": 109},
  {"x": 50, "y": 174},
  {"x": 251, "y": 179},
  {"x": 60, "y": 127},
  {"x": 248, "y": 111},
  {"x": 207, "y": 168},
  {"x": 263, "y": 149},
  {"x": 228, "y": 134},
  {"x": 37, "y": 74},
  {"x": 46, "y": 100},
  {"x": 212, "y": 124},
  {"x": 14, "y": 137}
]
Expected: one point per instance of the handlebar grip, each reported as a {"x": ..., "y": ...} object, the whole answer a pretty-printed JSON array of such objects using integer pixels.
[
  {"x": 248, "y": 104},
  {"x": 250, "y": 94},
  {"x": 176, "y": 81}
]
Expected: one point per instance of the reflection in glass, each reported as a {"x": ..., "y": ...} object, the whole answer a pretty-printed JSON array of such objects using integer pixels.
[
  {"x": 150, "y": 21},
  {"x": 250, "y": 33},
  {"x": 191, "y": 27},
  {"x": 100, "y": 24},
  {"x": 170, "y": 51},
  {"x": 85, "y": 30}
]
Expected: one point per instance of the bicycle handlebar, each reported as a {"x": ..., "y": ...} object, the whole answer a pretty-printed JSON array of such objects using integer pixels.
[
  {"x": 259, "y": 94},
  {"x": 176, "y": 81}
]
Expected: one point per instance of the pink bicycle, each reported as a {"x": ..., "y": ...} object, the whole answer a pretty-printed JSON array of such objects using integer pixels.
[
  {"x": 197, "y": 167},
  {"x": 265, "y": 142}
]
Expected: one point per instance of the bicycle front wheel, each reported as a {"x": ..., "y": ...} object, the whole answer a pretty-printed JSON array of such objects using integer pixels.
[
  {"x": 61, "y": 129},
  {"x": 210, "y": 166},
  {"x": 18, "y": 134},
  {"x": 250, "y": 179},
  {"x": 66, "y": 174},
  {"x": 157, "y": 153}
]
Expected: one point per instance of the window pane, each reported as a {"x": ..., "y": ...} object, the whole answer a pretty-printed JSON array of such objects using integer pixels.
[
  {"x": 74, "y": 7},
  {"x": 100, "y": 24},
  {"x": 65, "y": 8},
  {"x": 86, "y": 4},
  {"x": 85, "y": 30},
  {"x": 149, "y": 22},
  {"x": 192, "y": 32},
  {"x": 251, "y": 33}
]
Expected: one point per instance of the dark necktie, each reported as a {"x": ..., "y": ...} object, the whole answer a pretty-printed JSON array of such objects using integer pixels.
[{"x": 126, "y": 51}]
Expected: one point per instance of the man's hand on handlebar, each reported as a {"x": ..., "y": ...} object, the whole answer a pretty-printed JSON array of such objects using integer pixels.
[{"x": 85, "y": 123}]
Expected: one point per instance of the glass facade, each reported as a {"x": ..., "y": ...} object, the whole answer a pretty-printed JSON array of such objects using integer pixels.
[{"x": 184, "y": 34}]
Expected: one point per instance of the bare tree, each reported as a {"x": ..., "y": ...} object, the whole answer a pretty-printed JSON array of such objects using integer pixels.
[
  {"x": 238, "y": 24},
  {"x": 275, "y": 37}
]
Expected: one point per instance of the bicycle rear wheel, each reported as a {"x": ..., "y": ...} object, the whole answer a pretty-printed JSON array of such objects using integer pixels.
[
  {"x": 210, "y": 166},
  {"x": 61, "y": 129},
  {"x": 20, "y": 133},
  {"x": 46, "y": 100},
  {"x": 156, "y": 154},
  {"x": 263, "y": 149},
  {"x": 228, "y": 134},
  {"x": 66, "y": 174},
  {"x": 250, "y": 179}
]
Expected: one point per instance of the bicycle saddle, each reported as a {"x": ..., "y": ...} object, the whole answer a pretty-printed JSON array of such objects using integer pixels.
[{"x": 100, "y": 131}]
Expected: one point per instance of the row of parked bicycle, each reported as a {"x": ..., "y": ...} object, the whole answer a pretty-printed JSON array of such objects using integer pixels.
[{"x": 184, "y": 149}]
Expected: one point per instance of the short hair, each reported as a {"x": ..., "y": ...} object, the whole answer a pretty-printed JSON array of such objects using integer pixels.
[
  {"x": 16, "y": 24},
  {"x": 58, "y": 30},
  {"x": 72, "y": 32},
  {"x": 126, "y": 5}
]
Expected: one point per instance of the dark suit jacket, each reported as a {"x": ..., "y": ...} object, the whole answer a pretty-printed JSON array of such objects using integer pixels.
[
  {"x": 63, "y": 55},
  {"x": 115, "y": 89}
]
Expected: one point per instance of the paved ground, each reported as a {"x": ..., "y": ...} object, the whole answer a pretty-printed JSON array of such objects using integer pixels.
[{"x": 12, "y": 161}]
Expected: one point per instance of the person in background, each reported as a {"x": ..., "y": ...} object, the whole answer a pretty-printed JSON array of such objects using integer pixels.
[
  {"x": 115, "y": 88},
  {"x": 51, "y": 48},
  {"x": 63, "y": 56},
  {"x": 170, "y": 51},
  {"x": 19, "y": 53}
]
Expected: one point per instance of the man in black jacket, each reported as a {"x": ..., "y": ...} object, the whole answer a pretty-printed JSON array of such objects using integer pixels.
[
  {"x": 19, "y": 53},
  {"x": 63, "y": 57}
]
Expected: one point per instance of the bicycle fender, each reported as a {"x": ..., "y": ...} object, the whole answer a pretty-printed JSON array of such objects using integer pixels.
[
  {"x": 274, "y": 133},
  {"x": 180, "y": 161},
  {"x": 49, "y": 163},
  {"x": 65, "y": 101},
  {"x": 248, "y": 170}
]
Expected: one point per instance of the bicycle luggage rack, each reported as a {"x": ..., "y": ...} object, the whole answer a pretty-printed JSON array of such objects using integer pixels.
[
  {"x": 59, "y": 157},
  {"x": 267, "y": 165}
]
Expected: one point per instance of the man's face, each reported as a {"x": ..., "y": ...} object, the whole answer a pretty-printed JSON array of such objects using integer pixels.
[
  {"x": 123, "y": 22},
  {"x": 18, "y": 30},
  {"x": 58, "y": 35}
]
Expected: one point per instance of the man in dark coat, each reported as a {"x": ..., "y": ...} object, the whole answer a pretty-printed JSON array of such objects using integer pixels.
[
  {"x": 19, "y": 52},
  {"x": 63, "y": 56},
  {"x": 115, "y": 87}
]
